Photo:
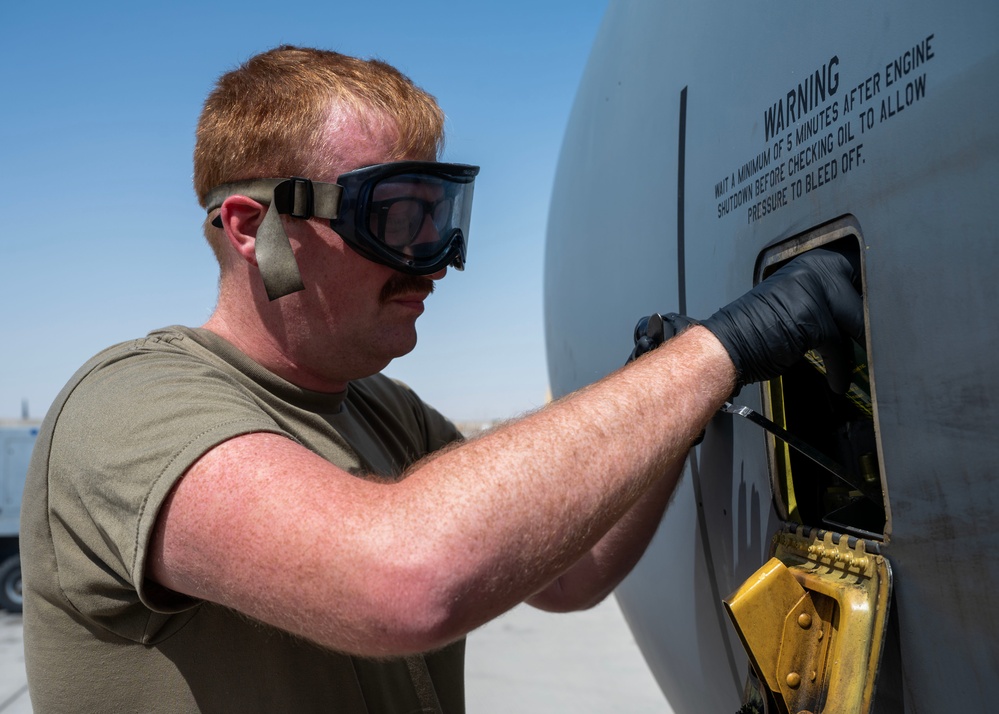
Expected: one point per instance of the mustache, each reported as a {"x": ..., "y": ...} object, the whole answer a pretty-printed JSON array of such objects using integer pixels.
[{"x": 403, "y": 284}]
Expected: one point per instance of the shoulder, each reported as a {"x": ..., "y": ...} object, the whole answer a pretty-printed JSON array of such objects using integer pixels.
[
  {"x": 144, "y": 371},
  {"x": 161, "y": 393},
  {"x": 167, "y": 346}
]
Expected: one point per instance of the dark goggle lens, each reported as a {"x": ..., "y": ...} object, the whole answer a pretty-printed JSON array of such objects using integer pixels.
[
  {"x": 403, "y": 222},
  {"x": 418, "y": 215}
]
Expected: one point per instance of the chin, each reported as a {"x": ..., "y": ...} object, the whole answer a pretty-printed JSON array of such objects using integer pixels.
[
  {"x": 405, "y": 349},
  {"x": 400, "y": 346}
]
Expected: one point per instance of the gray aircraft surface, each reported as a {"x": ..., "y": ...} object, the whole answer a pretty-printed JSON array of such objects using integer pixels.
[{"x": 710, "y": 143}]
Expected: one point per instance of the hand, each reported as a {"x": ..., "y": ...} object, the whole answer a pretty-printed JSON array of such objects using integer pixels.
[
  {"x": 810, "y": 303},
  {"x": 652, "y": 331}
]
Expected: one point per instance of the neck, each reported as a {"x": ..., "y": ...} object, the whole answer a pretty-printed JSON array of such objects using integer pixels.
[{"x": 264, "y": 347}]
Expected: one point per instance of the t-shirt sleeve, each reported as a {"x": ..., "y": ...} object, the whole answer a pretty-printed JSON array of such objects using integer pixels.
[{"x": 125, "y": 435}]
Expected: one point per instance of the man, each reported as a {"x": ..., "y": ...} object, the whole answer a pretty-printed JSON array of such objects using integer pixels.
[{"x": 248, "y": 517}]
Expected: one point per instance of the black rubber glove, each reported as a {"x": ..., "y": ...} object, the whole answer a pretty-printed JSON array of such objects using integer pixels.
[
  {"x": 652, "y": 331},
  {"x": 810, "y": 303}
]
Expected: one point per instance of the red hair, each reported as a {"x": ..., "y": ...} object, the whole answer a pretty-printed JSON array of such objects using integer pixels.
[{"x": 268, "y": 117}]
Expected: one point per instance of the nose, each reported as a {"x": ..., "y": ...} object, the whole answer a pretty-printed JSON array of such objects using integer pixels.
[{"x": 439, "y": 275}]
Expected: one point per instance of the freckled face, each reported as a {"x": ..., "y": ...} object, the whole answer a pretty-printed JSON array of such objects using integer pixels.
[{"x": 354, "y": 315}]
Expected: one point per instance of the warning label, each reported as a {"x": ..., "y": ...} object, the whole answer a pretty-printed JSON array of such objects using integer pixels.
[{"x": 814, "y": 134}]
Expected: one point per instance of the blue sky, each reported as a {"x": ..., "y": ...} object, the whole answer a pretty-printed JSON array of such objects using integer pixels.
[{"x": 100, "y": 233}]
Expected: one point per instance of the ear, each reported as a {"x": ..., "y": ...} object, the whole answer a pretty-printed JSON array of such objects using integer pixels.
[{"x": 241, "y": 217}]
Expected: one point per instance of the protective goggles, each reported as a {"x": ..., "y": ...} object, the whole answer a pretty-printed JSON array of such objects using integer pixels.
[{"x": 412, "y": 216}]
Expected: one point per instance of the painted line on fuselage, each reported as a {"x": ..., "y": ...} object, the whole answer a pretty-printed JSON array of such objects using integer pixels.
[
  {"x": 681, "y": 171},
  {"x": 702, "y": 526}
]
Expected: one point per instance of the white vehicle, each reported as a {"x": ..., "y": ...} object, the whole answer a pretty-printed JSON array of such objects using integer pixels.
[
  {"x": 17, "y": 439},
  {"x": 709, "y": 143}
]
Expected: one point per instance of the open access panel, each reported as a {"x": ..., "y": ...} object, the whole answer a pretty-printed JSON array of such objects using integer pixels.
[{"x": 813, "y": 618}]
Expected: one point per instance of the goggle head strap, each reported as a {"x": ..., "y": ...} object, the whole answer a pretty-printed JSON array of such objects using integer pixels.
[{"x": 297, "y": 197}]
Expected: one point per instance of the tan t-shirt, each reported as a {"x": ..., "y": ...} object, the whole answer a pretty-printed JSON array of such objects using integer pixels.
[{"x": 100, "y": 638}]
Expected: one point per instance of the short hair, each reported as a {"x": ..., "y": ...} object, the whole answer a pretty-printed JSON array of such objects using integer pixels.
[{"x": 266, "y": 118}]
